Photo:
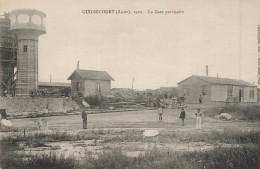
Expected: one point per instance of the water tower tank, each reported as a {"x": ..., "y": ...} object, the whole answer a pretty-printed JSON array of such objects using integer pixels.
[{"x": 28, "y": 25}]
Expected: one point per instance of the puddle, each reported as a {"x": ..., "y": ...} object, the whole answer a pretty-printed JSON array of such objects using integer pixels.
[{"x": 81, "y": 149}]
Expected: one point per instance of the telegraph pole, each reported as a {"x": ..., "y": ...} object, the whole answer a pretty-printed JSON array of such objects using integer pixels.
[
  {"x": 133, "y": 83},
  {"x": 207, "y": 70}
]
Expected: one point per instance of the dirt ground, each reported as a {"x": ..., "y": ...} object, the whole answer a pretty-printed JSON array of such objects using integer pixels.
[
  {"x": 136, "y": 121},
  {"x": 145, "y": 119}
]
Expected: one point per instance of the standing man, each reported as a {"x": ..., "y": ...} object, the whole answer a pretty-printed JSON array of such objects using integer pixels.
[
  {"x": 160, "y": 113},
  {"x": 84, "y": 118},
  {"x": 200, "y": 99},
  {"x": 182, "y": 115},
  {"x": 198, "y": 119}
]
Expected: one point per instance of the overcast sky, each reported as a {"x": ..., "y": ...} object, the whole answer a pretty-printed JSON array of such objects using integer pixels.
[{"x": 157, "y": 50}]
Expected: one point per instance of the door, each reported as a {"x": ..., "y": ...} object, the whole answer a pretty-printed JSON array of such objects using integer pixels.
[{"x": 240, "y": 95}]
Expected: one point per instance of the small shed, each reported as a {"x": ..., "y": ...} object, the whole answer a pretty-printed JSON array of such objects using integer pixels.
[
  {"x": 216, "y": 89},
  {"x": 90, "y": 82}
]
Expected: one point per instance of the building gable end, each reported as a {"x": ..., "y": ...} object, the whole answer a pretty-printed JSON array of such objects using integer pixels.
[{"x": 75, "y": 74}]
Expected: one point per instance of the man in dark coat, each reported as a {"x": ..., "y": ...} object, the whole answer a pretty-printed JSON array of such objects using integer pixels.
[
  {"x": 84, "y": 118},
  {"x": 182, "y": 116}
]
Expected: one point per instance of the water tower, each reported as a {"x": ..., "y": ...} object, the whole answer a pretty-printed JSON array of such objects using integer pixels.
[{"x": 28, "y": 25}]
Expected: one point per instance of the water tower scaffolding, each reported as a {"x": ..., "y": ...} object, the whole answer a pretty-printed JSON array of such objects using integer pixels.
[
  {"x": 28, "y": 25},
  {"x": 8, "y": 54}
]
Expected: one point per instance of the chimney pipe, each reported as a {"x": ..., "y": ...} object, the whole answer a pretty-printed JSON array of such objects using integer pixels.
[{"x": 207, "y": 70}]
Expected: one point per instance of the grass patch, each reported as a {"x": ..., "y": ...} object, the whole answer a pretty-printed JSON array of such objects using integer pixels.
[
  {"x": 10, "y": 159},
  {"x": 241, "y": 112},
  {"x": 39, "y": 161},
  {"x": 230, "y": 158},
  {"x": 235, "y": 136},
  {"x": 243, "y": 157},
  {"x": 233, "y": 158},
  {"x": 228, "y": 136},
  {"x": 124, "y": 136}
]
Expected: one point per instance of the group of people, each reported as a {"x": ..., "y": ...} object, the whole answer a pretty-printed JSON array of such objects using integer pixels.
[
  {"x": 160, "y": 113},
  {"x": 198, "y": 115}
]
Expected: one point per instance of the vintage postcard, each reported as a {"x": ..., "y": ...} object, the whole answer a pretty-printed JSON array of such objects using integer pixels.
[{"x": 129, "y": 84}]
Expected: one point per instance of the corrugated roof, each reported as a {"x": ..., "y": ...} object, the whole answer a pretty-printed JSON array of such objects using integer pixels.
[
  {"x": 224, "y": 81},
  {"x": 92, "y": 74},
  {"x": 54, "y": 84}
]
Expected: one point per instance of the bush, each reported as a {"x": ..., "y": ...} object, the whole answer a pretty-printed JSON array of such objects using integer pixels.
[{"x": 97, "y": 101}]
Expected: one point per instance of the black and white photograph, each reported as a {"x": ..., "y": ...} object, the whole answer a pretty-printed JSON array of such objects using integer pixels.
[{"x": 129, "y": 84}]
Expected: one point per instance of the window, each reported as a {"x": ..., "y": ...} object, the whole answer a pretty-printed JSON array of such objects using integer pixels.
[
  {"x": 204, "y": 90},
  {"x": 186, "y": 91},
  {"x": 24, "y": 48},
  {"x": 230, "y": 91},
  {"x": 252, "y": 93}
]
